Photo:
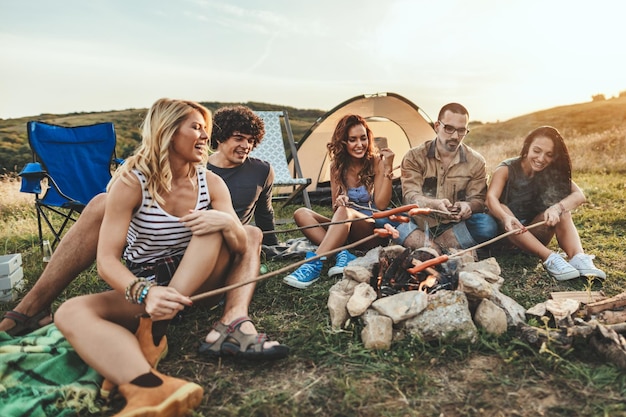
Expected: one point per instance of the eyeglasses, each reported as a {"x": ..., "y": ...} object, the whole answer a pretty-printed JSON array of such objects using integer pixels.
[{"x": 449, "y": 129}]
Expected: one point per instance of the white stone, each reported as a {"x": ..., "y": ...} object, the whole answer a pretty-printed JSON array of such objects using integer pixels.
[
  {"x": 361, "y": 299},
  {"x": 357, "y": 273},
  {"x": 515, "y": 313},
  {"x": 378, "y": 332},
  {"x": 490, "y": 317},
  {"x": 447, "y": 317},
  {"x": 338, "y": 297},
  {"x": 401, "y": 306},
  {"x": 489, "y": 265},
  {"x": 474, "y": 285}
]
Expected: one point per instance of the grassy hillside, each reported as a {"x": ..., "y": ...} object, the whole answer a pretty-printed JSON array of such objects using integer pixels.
[
  {"x": 595, "y": 133},
  {"x": 15, "y": 152}
]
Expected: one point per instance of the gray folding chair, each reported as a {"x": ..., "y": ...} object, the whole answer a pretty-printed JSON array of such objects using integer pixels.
[{"x": 272, "y": 150}]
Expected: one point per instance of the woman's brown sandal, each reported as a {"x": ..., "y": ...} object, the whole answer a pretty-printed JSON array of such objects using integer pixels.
[{"x": 232, "y": 342}]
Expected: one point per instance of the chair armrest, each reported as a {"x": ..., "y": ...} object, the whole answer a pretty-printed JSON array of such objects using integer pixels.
[{"x": 31, "y": 175}]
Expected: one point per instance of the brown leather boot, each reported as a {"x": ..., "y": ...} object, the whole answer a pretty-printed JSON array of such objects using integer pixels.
[
  {"x": 449, "y": 244},
  {"x": 173, "y": 398},
  {"x": 415, "y": 240},
  {"x": 152, "y": 353}
]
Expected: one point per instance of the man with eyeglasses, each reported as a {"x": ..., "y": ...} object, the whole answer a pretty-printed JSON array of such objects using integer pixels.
[{"x": 446, "y": 175}]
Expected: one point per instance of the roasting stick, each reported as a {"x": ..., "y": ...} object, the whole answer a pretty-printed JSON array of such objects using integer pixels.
[
  {"x": 376, "y": 215},
  {"x": 444, "y": 258},
  {"x": 377, "y": 233},
  {"x": 413, "y": 210}
]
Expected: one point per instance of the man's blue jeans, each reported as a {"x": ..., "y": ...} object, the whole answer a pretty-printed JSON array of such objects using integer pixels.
[{"x": 477, "y": 229}]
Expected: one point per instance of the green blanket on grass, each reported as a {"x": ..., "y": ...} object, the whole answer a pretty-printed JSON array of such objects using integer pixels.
[{"x": 42, "y": 375}]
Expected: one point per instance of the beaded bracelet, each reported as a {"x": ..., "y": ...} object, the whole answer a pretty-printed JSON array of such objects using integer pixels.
[
  {"x": 138, "y": 288},
  {"x": 144, "y": 293},
  {"x": 131, "y": 294},
  {"x": 127, "y": 293}
]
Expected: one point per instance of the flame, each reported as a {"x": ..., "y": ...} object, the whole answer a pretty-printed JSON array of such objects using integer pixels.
[{"x": 429, "y": 282}]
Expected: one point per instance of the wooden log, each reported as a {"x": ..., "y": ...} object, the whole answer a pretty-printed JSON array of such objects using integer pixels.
[
  {"x": 609, "y": 345},
  {"x": 608, "y": 304},
  {"x": 611, "y": 317},
  {"x": 585, "y": 297},
  {"x": 536, "y": 336},
  {"x": 587, "y": 329}
]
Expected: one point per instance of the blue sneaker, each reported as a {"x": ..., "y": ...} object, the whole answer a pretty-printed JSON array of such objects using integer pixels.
[
  {"x": 306, "y": 274},
  {"x": 341, "y": 260}
]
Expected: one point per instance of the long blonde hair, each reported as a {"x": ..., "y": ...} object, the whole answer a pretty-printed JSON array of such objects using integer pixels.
[{"x": 152, "y": 156}]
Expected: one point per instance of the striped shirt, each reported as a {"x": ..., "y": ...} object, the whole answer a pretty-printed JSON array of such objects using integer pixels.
[{"x": 153, "y": 233}]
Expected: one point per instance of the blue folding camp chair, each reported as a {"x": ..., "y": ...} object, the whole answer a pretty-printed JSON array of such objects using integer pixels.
[{"x": 75, "y": 161}]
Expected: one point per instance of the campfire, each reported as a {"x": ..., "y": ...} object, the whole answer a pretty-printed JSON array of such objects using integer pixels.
[
  {"x": 397, "y": 273},
  {"x": 397, "y": 291}
]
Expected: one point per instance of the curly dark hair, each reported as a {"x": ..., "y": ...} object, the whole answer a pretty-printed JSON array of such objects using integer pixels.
[
  {"x": 340, "y": 157},
  {"x": 227, "y": 120},
  {"x": 556, "y": 180}
]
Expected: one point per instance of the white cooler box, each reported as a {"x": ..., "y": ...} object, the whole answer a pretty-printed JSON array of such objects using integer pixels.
[{"x": 11, "y": 274}]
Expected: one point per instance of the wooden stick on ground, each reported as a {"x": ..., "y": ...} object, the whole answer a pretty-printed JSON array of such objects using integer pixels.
[{"x": 608, "y": 304}]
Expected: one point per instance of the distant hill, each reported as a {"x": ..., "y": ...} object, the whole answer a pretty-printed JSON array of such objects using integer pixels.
[
  {"x": 15, "y": 152},
  {"x": 595, "y": 132},
  {"x": 576, "y": 119}
]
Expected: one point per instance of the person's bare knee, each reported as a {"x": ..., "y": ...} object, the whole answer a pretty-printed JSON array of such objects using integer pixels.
[
  {"x": 341, "y": 213},
  {"x": 302, "y": 215},
  {"x": 255, "y": 236},
  {"x": 96, "y": 206},
  {"x": 68, "y": 311},
  {"x": 83, "y": 235}
]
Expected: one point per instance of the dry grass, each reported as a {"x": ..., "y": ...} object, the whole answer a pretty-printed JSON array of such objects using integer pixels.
[
  {"x": 595, "y": 134},
  {"x": 10, "y": 195},
  {"x": 18, "y": 223}
]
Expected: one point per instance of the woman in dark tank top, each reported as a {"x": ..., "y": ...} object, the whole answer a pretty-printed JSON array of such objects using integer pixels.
[{"x": 537, "y": 186}]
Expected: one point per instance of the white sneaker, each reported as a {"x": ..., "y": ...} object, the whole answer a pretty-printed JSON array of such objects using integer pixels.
[
  {"x": 584, "y": 264},
  {"x": 559, "y": 269}
]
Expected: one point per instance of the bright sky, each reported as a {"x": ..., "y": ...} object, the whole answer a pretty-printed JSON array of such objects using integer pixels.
[{"x": 501, "y": 59}]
